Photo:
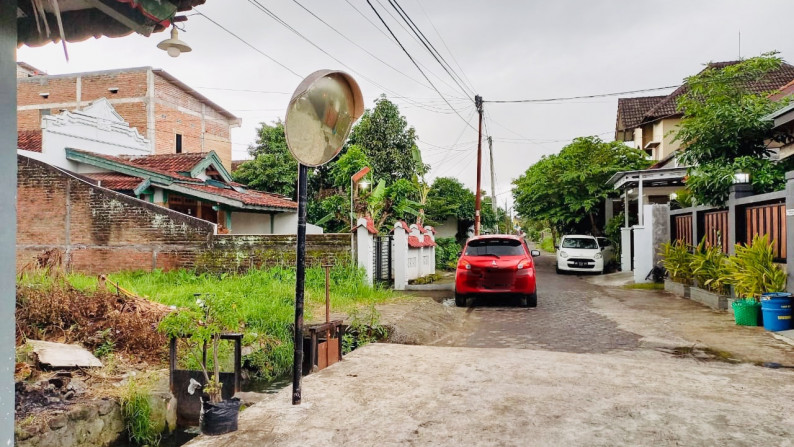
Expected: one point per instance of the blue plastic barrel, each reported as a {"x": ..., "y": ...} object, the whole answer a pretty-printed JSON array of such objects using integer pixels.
[{"x": 777, "y": 311}]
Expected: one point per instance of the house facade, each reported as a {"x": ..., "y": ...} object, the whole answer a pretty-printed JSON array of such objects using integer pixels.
[
  {"x": 97, "y": 144},
  {"x": 173, "y": 117}
]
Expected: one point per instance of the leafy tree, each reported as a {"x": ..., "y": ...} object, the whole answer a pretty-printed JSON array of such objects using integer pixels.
[
  {"x": 723, "y": 129},
  {"x": 273, "y": 168},
  {"x": 352, "y": 161},
  {"x": 387, "y": 141},
  {"x": 449, "y": 198},
  {"x": 570, "y": 186}
]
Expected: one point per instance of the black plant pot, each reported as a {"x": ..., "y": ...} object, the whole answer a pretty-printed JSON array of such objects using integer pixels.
[{"x": 220, "y": 418}]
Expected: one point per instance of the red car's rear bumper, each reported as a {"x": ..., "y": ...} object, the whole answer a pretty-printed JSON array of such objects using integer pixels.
[{"x": 470, "y": 282}]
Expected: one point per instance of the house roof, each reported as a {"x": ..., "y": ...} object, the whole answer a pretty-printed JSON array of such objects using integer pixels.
[
  {"x": 175, "y": 172},
  {"x": 116, "y": 182},
  {"x": 786, "y": 90},
  {"x": 175, "y": 164},
  {"x": 631, "y": 110},
  {"x": 82, "y": 20},
  {"x": 29, "y": 140},
  {"x": 769, "y": 82}
]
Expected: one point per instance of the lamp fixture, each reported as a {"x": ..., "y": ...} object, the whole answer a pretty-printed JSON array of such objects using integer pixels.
[
  {"x": 173, "y": 46},
  {"x": 673, "y": 196},
  {"x": 363, "y": 184},
  {"x": 740, "y": 178}
]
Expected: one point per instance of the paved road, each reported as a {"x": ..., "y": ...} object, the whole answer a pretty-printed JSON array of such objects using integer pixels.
[{"x": 563, "y": 320}]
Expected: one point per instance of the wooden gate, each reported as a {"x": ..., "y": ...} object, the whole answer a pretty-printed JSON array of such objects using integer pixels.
[{"x": 769, "y": 220}]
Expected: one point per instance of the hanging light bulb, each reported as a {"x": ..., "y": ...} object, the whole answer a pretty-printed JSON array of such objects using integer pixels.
[{"x": 173, "y": 46}]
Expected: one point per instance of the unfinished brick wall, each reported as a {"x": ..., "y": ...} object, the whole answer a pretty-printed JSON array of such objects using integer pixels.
[
  {"x": 175, "y": 111},
  {"x": 102, "y": 231}
]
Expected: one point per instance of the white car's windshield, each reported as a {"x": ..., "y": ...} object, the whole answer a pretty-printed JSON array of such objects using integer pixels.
[{"x": 579, "y": 242}]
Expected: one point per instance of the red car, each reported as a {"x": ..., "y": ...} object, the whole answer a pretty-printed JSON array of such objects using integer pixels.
[{"x": 496, "y": 265}]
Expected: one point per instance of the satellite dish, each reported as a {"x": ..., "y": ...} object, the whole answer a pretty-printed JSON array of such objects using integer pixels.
[{"x": 320, "y": 115}]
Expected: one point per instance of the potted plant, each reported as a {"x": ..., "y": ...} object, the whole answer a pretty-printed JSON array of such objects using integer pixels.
[
  {"x": 197, "y": 328},
  {"x": 710, "y": 271},
  {"x": 677, "y": 260},
  {"x": 753, "y": 272}
]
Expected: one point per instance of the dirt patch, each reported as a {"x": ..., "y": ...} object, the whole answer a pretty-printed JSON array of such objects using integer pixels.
[{"x": 419, "y": 320}]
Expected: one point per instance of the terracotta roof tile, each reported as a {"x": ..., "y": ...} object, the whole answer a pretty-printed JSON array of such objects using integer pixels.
[
  {"x": 769, "y": 82},
  {"x": 115, "y": 181},
  {"x": 631, "y": 110},
  {"x": 173, "y": 163},
  {"x": 414, "y": 242},
  {"x": 29, "y": 140},
  {"x": 249, "y": 197},
  {"x": 153, "y": 168}
]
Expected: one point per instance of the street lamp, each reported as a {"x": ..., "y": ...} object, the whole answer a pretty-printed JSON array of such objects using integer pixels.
[
  {"x": 319, "y": 117},
  {"x": 741, "y": 178}
]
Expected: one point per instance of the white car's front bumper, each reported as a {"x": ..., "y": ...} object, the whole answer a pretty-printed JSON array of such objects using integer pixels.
[{"x": 580, "y": 264}]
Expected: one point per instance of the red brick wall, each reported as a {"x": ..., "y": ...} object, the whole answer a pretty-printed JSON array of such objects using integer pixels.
[{"x": 102, "y": 231}]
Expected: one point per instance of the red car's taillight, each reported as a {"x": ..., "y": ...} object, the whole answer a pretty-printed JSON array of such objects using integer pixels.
[
  {"x": 464, "y": 265},
  {"x": 523, "y": 264}
]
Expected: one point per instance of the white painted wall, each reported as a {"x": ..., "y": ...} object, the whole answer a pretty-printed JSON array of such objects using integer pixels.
[
  {"x": 250, "y": 223},
  {"x": 400, "y": 255},
  {"x": 97, "y": 128},
  {"x": 287, "y": 223},
  {"x": 449, "y": 228},
  {"x": 365, "y": 245}
]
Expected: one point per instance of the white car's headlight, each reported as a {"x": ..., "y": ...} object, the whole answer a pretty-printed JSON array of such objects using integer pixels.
[
  {"x": 597, "y": 256},
  {"x": 563, "y": 254}
]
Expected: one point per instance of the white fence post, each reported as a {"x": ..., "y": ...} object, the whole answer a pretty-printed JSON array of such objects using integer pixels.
[
  {"x": 400, "y": 256},
  {"x": 431, "y": 233},
  {"x": 365, "y": 249}
]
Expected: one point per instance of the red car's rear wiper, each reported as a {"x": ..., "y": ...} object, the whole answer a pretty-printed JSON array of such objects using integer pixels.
[{"x": 491, "y": 254}]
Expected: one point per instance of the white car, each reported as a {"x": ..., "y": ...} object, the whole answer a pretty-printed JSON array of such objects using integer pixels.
[{"x": 582, "y": 253}]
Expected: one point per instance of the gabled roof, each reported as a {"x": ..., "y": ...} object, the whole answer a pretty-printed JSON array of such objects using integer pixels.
[
  {"x": 631, "y": 110},
  {"x": 174, "y": 172},
  {"x": 116, "y": 182},
  {"x": 769, "y": 82}
]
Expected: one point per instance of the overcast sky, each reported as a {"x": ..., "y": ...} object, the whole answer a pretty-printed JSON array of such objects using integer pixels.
[{"x": 503, "y": 50}]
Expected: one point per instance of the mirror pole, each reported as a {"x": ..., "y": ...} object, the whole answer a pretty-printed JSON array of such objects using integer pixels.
[{"x": 300, "y": 276}]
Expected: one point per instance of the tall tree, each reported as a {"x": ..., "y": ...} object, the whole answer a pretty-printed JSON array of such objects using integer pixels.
[
  {"x": 273, "y": 169},
  {"x": 723, "y": 129},
  {"x": 570, "y": 186},
  {"x": 387, "y": 141}
]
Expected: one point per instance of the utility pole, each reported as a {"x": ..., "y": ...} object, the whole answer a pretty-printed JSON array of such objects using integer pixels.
[
  {"x": 477, "y": 204},
  {"x": 493, "y": 185}
]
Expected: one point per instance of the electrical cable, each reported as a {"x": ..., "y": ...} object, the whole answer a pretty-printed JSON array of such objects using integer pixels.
[
  {"x": 417, "y": 65},
  {"x": 602, "y": 95},
  {"x": 248, "y": 44},
  {"x": 275, "y": 17},
  {"x": 429, "y": 46}
]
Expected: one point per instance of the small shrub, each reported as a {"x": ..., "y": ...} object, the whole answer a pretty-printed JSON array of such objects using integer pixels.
[
  {"x": 677, "y": 259},
  {"x": 753, "y": 270},
  {"x": 136, "y": 411},
  {"x": 710, "y": 267},
  {"x": 364, "y": 328},
  {"x": 447, "y": 250}
]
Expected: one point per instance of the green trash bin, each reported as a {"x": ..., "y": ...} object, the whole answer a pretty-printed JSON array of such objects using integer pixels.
[{"x": 745, "y": 312}]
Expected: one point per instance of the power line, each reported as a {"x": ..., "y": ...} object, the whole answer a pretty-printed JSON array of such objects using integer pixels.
[
  {"x": 359, "y": 46},
  {"x": 509, "y": 101},
  {"x": 278, "y": 19},
  {"x": 428, "y": 45},
  {"x": 248, "y": 44},
  {"x": 417, "y": 65},
  {"x": 468, "y": 82}
]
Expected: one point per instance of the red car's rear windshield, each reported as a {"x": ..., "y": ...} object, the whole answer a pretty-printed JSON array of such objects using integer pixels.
[{"x": 498, "y": 247}]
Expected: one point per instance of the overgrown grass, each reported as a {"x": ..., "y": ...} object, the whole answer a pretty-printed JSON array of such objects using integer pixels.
[
  {"x": 136, "y": 410},
  {"x": 264, "y": 298},
  {"x": 645, "y": 286},
  {"x": 547, "y": 245}
]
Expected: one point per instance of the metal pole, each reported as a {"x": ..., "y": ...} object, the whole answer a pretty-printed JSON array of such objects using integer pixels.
[
  {"x": 493, "y": 187},
  {"x": 478, "y": 104},
  {"x": 8, "y": 220},
  {"x": 300, "y": 276}
]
